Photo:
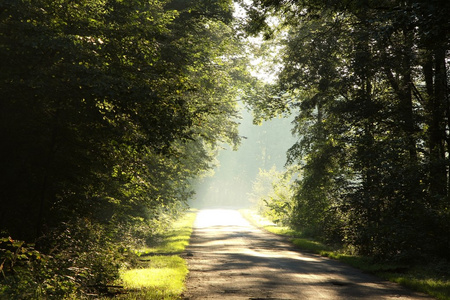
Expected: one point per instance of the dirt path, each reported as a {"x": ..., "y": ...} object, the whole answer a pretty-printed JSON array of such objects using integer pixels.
[{"x": 230, "y": 259}]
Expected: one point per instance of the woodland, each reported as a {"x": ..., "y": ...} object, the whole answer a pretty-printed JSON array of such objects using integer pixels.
[{"x": 111, "y": 110}]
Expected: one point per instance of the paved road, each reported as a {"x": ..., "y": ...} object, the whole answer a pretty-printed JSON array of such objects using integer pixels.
[{"x": 230, "y": 259}]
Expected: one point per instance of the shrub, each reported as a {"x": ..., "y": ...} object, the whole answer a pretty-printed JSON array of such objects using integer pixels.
[{"x": 77, "y": 260}]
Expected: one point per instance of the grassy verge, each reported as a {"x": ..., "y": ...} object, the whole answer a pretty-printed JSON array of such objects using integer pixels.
[
  {"x": 162, "y": 272},
  {"x": 432, "y": 279},
  {"x": 296, "y": 236}
]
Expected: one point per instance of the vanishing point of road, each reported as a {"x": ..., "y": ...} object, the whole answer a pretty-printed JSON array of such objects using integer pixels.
[{"x": 230, "y": 259}]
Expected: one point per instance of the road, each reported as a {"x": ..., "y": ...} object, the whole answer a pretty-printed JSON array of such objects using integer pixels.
[{"x": 230, "y": 259}]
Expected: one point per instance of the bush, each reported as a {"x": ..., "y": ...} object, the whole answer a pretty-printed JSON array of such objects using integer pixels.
[
  {"x": 272, "y": 194},
  {"x": 78, "y": 260}
]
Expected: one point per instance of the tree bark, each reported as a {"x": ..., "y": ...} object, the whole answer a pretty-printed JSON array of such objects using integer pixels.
[{"x": 436, "y": 85}]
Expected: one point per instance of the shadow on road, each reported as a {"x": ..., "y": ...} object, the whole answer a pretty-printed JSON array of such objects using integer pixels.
[{"x": 231, "y": 259}]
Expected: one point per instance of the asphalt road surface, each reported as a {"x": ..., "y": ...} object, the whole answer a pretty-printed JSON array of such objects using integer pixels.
[{"x": 230, "y": 259}]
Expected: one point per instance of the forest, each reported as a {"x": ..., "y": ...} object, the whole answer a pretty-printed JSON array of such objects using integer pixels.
[
  {"x": 370, "y": 83},
  {"x": 111, "y": 110}
]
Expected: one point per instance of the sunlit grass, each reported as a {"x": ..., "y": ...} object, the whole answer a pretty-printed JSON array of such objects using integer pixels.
[
  {"x": 163, "y": 273},
  {"x": 173, "y": 241},
  {"x": 163, "y": 278},
  {"x": 425, "y": 279}
]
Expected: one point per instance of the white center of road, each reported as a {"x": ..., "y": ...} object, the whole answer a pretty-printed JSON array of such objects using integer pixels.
[{"x": 219, "y": 217}]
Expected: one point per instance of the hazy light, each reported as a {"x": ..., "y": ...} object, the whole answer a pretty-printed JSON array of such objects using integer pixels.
[
  {"x": 232, "y": 181},
  {"x": 220, "y": 217}
]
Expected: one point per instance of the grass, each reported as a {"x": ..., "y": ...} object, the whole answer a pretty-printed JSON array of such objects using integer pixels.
[
  {"x": 429, "y": 279},
  {"x": 438, "y": 288},
  {"x": 173, "y": 241},
  {"x": 163, "y": 278},
  {"x": 163, "y": 272}
]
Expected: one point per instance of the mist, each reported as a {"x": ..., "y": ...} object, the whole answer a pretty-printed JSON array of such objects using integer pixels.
[{"x": 263, "y": 147}]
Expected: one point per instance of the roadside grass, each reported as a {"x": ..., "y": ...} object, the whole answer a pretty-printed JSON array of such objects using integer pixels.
[
  {"x": 432, "y": 279},
  {"x": 162, "y": 272},
  {"x": 422, "y": 280},
  {"x": 162, "y": 278}
]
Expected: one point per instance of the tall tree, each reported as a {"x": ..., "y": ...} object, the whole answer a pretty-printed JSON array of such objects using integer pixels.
[
  {"x": 355, "y": 71},
  {"x": 109, "y": 109}
]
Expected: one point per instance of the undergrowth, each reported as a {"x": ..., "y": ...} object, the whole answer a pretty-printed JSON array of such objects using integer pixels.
[{"x": 160, "y": 272}]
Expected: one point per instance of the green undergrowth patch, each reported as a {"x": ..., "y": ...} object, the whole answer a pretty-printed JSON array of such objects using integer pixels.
[
  {"x": 173, "y": 241},
  {"x": 432, "y": 279},
  {"x": 162, "y": 278},
  {"x": 161, "y": 272},
  {"x": 310, "y": 245},
  {"x": 422, "y": 280}
]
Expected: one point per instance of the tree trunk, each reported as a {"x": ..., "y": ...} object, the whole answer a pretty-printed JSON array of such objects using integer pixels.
[
  {"x": 436, "y": 85},
  {"x": 405, "y": 94}
]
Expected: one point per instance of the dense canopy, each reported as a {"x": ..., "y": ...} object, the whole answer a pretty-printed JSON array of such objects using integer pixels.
[
  {"x": 111, "y": 109},
  {"x": 370, "y": 83}
]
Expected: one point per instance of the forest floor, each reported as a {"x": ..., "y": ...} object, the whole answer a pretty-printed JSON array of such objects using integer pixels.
[{"x": 230, "y": 259}]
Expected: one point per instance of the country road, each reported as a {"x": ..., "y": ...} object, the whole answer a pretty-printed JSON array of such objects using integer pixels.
[{"x": 230, "y": 259}]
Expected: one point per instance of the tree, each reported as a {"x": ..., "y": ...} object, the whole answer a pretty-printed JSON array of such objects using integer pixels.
[
  {"x": 109, "y": 109},
  {"x": 372, "y": 136}
]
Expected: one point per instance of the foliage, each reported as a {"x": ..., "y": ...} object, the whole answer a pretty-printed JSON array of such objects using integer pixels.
[
  {"x": 272, "y": 195},
  {"x": 159, "y": 273},
  {"x": 80, "y": 260},
  {"x": 109, "y": 109},
  {"x": 370, "y": 83}
]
